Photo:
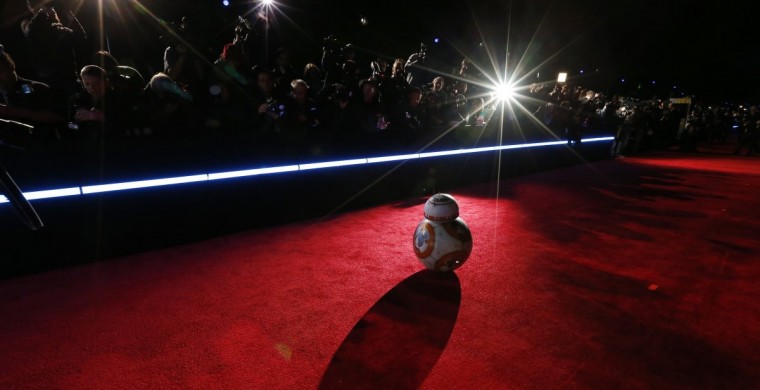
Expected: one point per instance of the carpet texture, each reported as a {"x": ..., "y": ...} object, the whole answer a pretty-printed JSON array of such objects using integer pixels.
[{"x": 631, "y": 274}]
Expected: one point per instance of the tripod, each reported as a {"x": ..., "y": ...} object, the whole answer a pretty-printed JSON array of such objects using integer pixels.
[{"x": 8, "y": 187}]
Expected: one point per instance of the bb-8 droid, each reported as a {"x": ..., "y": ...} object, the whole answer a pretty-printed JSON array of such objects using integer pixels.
[{"x": 442, "y": 241}]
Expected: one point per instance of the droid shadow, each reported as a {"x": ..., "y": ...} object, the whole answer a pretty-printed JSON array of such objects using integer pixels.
[{"x": 397, "y": 342}]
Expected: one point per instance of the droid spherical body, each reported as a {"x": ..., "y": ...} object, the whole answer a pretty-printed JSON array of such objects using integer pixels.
[{"x": 442, "y": 241}]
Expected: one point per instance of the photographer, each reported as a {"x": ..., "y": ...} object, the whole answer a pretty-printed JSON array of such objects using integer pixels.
[
  {"x": 283, "y": 72},
  {"x": 29, "y": 101},
  {"x": 269, "y": 107},
  {"x": 368, "y": 114},
  {"x": 632, "y": 123},
  {"x": 408, "y": 115},
  {"x": 124, "y": 79},
  {"x": 434, "y": 100},
  {"x": 164, "y": 109},
  {"x": 230, "y": 92},
  {"x": 300, "y": 122},
  {"x": 379, "y": 70},
  {"x": 670, "y": 124},
  {"x": 456, "y": 110},
  {"x": 100, "y": 112},
  {"x": 335, "y": 117},
  {"x": 393, "y": 89},
  {"x": 350, "y": 74},
  {"x": 478, "y": 116},
  {"x": 333, "y": 58},
  {"x": 182, "y": 62},
  {"x": 610, "y": 118},
  {"x": 313, "y": 77},
  {"x": 751, "y": 135},
  {"x": 416, "y": 75},
  {"x": 243, "y": 30},
  {"x": 53, "y": 49}
]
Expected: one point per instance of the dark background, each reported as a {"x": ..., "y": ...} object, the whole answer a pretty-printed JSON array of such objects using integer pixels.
[{"x": 707, "y": 49}]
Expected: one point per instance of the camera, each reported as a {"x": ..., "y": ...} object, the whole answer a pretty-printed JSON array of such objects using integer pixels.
[
  {"x": 423, "y": 51},
  {"x": 379, "y": 68},
  {"x": 332, "y": 45},
  {"x": 242, "y": 29},
  {"x": 275, "y": 107}
]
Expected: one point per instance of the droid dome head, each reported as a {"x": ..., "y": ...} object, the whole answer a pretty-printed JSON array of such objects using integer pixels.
[{"x": 441, "y": 208}]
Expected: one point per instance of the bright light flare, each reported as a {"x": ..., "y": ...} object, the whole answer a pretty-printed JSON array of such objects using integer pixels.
[
  {"x": 267, "y": 3},
  {"x": 504, "y": 92},
  {"x": 562, "y": 77}
]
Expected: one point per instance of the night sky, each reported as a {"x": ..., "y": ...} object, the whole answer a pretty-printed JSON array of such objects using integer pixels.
[{"x": 711, "y": 50}]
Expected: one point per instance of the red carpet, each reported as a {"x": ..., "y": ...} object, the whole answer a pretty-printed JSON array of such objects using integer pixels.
[{"x": 636, "y": 273}]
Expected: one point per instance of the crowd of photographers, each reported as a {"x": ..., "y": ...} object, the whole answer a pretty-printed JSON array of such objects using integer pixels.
[
  {"x": 642, "y": 125},
  {"x": 332, "y": 101},
  {"x": 265, "y": 101}
]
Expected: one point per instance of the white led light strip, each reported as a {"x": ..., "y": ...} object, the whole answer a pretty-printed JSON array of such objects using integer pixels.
[
  {"x": 59, "y": 193},
  {"x": 132, "y": 185}
]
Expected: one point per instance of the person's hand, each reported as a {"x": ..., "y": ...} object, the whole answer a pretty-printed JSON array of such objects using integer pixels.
[
  {"x": 343, "y": 104},
  {"x": 92, "y": 115},
  {"x": 263, "y": 108},
  {"x": 382, "y": 123}
]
